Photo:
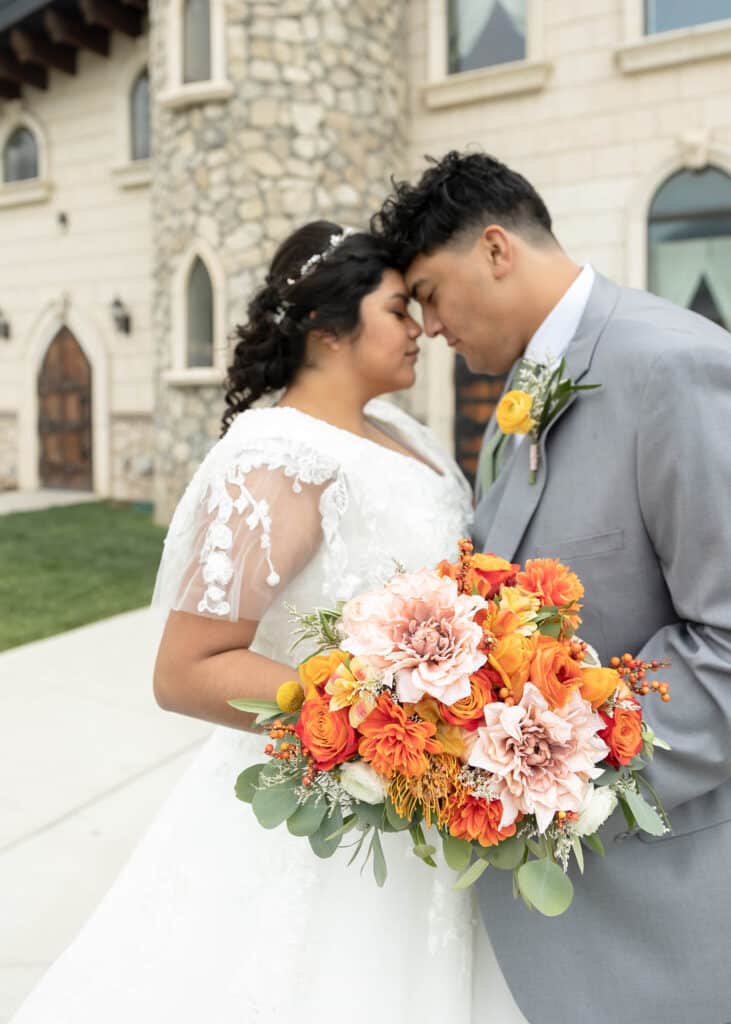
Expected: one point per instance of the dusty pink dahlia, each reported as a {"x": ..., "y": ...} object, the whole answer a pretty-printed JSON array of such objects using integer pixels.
[
  {"x": 419, "y": 628},
  {"x": 541, "y": 760}
]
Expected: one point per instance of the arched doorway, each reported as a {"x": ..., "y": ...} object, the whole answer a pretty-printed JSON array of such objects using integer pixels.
[{"x": 64, "y": 415}]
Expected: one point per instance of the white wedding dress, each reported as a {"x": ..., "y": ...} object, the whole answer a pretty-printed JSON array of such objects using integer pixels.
[{"x": 215, "y": 919}]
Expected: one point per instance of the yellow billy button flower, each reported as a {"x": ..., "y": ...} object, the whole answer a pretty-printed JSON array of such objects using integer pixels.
[
  {"x": 290, "y": 697},
  {"x": 513, "y": 413}
]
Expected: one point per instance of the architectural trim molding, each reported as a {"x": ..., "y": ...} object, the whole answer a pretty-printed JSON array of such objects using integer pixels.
[
  {"x": 136, "y": 63},
  {"x": 135, "y": 174},
  {"x": 23, "y": 193},
  {"x": 513, "y": 79},
  {"x": 638, "y": 209},
  {"x": 179, "y": 373},
  {"x": 30, "y": 190},
  {"x": 56, "y": 314},
  {"x": 671, "y": 49}
]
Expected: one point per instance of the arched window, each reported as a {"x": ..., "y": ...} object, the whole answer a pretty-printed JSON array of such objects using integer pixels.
[
  {"x": 689, "y": 242},
  {"x": 20, "y": 156},
  {"x": 199, "y": 334},
  {"x": 485, "y": 32},
  {"x": 140, "y": 116},
  {"x": 196, "y": 40}
]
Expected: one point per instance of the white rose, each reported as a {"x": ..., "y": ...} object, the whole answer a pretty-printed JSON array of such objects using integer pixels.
[
  {"x": 362, "y": 782},
  {"x": 597, "y": 805}
]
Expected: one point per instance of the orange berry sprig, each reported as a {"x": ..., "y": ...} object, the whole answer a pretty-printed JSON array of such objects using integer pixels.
[
  {"x": 634, "y": 673},
  {"x": 466, "y": 547},
  {"x": 577, "y": 649},
  {"x": 286, "y": 749}
]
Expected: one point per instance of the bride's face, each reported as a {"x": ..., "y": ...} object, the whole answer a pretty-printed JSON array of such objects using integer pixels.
[{"x": 384, "y": 352}]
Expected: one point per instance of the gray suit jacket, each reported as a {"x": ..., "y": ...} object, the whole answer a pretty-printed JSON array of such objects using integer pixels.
[{"x": 634, "y": 493}]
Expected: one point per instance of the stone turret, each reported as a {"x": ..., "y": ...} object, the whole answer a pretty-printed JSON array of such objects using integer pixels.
[{"x": 314, "y": 126}]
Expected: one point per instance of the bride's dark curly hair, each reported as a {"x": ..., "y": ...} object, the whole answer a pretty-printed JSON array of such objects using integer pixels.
[{"x": 271, "y": 344}]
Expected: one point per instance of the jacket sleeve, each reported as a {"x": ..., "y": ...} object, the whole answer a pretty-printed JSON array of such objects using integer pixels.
[{"x": 684, "y": 484}]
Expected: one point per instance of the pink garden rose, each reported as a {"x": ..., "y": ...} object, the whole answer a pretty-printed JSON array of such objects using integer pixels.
[
  {"x": 420, "y": 629},
  {"x": 542, "y": 761}
]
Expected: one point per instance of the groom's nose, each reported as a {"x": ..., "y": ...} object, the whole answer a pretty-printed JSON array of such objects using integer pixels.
[{"x": 432, "y": 324}]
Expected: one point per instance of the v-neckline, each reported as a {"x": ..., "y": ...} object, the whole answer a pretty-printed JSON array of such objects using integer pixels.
[{"x": 413, "y": 458}]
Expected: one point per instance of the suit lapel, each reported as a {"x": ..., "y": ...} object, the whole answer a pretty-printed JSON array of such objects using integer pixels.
[{"x": 511, "y": 502}]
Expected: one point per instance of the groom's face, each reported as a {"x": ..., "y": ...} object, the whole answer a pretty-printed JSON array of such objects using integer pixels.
[{"x": 468, "y": 295}]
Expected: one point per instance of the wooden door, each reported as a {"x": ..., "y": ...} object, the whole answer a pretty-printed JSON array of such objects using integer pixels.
[
  {"x": 64, "y": 415},
  {"x": 476, "y": 398}
]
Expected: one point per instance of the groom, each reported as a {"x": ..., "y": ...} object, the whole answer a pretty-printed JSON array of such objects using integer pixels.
[{"x": 633, "y": 490}]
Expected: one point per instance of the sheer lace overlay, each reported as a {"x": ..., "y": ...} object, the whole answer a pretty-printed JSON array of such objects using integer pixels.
[{"x": 214, "y": 918}]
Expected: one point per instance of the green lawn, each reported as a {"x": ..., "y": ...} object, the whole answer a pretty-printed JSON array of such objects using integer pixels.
[{"x": 63, "y": 567}]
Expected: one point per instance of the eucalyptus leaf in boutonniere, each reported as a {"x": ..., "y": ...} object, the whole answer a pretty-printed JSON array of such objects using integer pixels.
[{"x": 539, "y": 393}]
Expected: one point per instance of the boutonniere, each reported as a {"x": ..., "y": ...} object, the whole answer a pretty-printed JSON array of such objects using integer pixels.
[{"x": 538, "y": 395}]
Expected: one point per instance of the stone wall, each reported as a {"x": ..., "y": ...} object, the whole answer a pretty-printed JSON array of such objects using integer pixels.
[
  {"x": 8, "y": 451},
  {"x": 132, "y": 465},
  {"x": 315, "y": 127}
]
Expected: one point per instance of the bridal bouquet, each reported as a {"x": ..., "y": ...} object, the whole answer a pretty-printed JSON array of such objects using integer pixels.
[{"x": 458, "y": 704}]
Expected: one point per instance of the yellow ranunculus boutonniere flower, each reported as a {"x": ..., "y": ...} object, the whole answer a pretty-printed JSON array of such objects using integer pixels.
[{"x": 513, "y": 413}]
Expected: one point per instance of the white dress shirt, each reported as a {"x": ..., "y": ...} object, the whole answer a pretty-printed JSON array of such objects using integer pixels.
[{"x": 552, "y": 338}]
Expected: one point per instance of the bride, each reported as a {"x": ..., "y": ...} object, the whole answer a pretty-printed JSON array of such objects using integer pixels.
[{"x": 301, "y": 503}]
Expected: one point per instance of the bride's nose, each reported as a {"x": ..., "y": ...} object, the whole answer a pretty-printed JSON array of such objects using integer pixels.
[{"x": 413, "y": 327}]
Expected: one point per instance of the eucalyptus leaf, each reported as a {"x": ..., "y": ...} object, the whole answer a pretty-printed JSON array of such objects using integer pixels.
[
  {"x": 372, "y": 814},
  {"x": 397, "y": 824},
  {"x": 457, "y": 852},
  {"x": 274, "y": 805},
  {"x": 256, "y": 707},
  {"x": 594, "y": 843},
  {"x": 646, "y": 816},
  {"x": 247, "y": 782},
  {"x": 534, "y": 847},
  {"x": 545, "y": 886},
  {"x": 608, "y": 777},
  {"x": 552, "y": 629},
  {"x": 307, "y": 818},
  {"x": 380, "y": 871},
  {"x": 578, "y": 853},
  {"x": 359, "y": 845},
  {"x": 326, "y": 840},
  {"x": 425, "y": 852},
  {"x": 508, "y": 854},
  {"x": 471, "y": 875}
]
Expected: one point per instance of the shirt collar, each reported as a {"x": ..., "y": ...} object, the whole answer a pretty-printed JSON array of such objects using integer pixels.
[{"x": 552, "y": 338}]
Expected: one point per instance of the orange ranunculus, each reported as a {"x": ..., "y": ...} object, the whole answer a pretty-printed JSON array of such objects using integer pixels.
[
  {"x": 598, "y": 684},
  {"x": 554, "y": 583},
  {"x": 475, "y": 818},
  {"x": 485, "y": 575},
  {"x": 451, "y": 737},
  {"x": 623, "y": 734},
  {"x": 511, "y": 657},
  {"x": 393, "y": 742},
  {"x": 514, "y": 612},
  {"x": 468, "y": 712},
  {"x": 553, "y": 670},
  {"x": 317, "y": 670},
  {"x": 491, "y": 572},
  {"x": 327, "y": 735}
]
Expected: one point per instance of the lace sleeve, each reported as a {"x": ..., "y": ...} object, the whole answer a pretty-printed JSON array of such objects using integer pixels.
[{"x": 246, "y": 527}]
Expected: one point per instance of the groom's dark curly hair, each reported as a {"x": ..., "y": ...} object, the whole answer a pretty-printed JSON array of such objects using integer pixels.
[{"x": 455, "y": 197}]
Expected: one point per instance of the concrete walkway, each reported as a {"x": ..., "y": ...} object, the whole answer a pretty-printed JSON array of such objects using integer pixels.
[
  {"x": 31, "y": 501},
  {"x": 86, "y": 759}
]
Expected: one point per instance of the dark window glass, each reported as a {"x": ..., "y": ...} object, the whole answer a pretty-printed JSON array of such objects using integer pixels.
[
  {"x": 690, "y": 242},
  {"x": 196, "y": 41},
  {"x": 20, "y": 156},
  {"x": 199, "y": 346},
  {"x": 140, "y": 117},
  {"x": 665, "y": 15},
  {"x": 485, "y": 32}
]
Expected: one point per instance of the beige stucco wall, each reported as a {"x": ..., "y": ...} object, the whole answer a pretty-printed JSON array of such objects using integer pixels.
[
  {"x": 595, "y": 141},
  {"x": 50, "y": 274}
]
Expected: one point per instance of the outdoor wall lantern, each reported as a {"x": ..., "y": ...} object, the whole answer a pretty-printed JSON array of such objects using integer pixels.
[
  {"x": 4, "y": 327},
  {"x": 121, "y": 317}
]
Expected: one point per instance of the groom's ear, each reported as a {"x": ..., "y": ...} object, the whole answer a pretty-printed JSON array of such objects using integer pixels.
[{"x": 496, "y": 248}]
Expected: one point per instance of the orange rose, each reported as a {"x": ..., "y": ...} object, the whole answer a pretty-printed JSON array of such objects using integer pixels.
[
  {"x": 491, "y": 572},
  {"x": 623, "y": 734},
  {"x": 511, "y": 657},
  {"x": 393, "y": 742},
  {"x": 554, "y": 583},
  {"x": 467, "y": 712},
  {"x": 598, "y": 684},
  {"x": 316, "y": 671},
  {"x": 327, "y": 735},
  {"x": 554, "y": 671},
  {"x": 473, "y": 818}
]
